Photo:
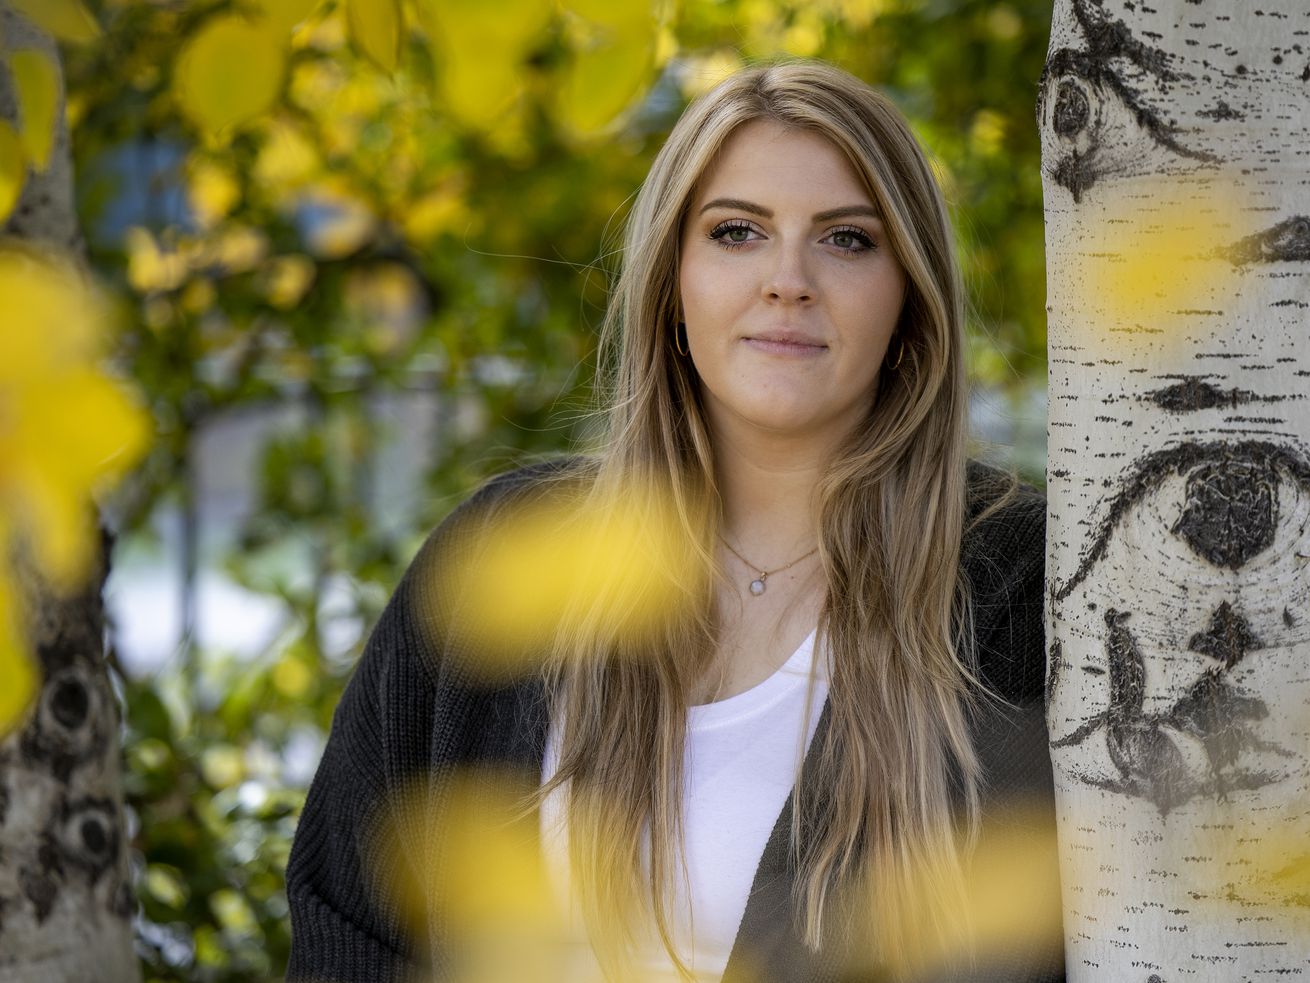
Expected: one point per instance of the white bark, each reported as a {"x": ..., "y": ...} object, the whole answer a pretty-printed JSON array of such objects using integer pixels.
[
  {"x": 1176, "y": 162},
  {"x": 65, "y": 894}
]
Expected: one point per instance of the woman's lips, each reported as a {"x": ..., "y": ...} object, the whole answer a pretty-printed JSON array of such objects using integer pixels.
[{"x": 785, "y": 346}]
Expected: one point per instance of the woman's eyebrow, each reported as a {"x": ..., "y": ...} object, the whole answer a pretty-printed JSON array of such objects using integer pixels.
[{"x": 741, "y": 204}]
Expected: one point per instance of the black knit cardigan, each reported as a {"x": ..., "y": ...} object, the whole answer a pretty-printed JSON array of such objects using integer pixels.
[{"x": 411, "y": 713}]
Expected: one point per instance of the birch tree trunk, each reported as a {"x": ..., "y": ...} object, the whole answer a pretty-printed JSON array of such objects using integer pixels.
[
  {"x": 65, "y": 895},
  {"x": 1176, "y": 165}
]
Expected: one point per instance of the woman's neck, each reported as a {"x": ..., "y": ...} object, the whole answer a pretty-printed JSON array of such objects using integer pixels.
[{"x": 768, "y": 487}]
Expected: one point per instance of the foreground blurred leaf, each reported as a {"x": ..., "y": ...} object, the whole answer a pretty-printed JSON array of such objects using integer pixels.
[
  {"x": 614, "y": 566},
  {"x": 66, "y": 20},
  {"x": 228, "y": 73},
  {"x": 13, "y": 169},
  {"x": 36, "y": 79},
  {"x": 375, "y": 28},
  {"x": 488, "y": 882},
  {"x": 16, "y": 668},
  {"x": 68, "y": 429}
]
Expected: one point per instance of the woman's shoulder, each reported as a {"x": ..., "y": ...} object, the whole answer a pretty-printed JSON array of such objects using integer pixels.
[{"x": 511, "y": 488}]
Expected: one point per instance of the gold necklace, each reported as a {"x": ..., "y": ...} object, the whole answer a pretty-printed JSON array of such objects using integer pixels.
[{"x": 757, "y": 585}]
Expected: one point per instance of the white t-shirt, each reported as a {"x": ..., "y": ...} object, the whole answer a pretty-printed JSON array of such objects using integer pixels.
[{"x": 742, "y": 756}]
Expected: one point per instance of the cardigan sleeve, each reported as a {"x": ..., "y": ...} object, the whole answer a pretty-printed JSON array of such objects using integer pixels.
[{"x": 356, "y": 911}]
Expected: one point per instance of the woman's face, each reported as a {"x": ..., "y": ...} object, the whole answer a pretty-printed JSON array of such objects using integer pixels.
[{"x": 788, "y": 289}]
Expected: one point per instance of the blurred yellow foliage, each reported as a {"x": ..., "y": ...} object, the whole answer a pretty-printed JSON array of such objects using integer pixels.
[
  {"x": 36, "y": 82},
  {"x": 474, "y": 862},
  {"x": 1007, "y": 906},
  {"x": 698, "y": 74},
  {"x": 285, "y": 279},
  {"x": 616, "y": 567},
  {"x": 342, "y": 222},
  {"x": 479, "y": 49},
  {"x": 432, "y": 214},
  {"x": 375, "y": 30},
  {"x": 283, "y": 15},
  {"x": 66, "y": 20},
  {"x": 229, "y": 72},
  {"x": 212, "y": 191},
  {"x": 13, "y": 169},
  {"x": 605, "y": 77},
  {"x": 65, "y": 430},
  {"x": 16, "y": 668},
  {"x": 287, "y": 158},
  {"x": 152, "y": 267}
]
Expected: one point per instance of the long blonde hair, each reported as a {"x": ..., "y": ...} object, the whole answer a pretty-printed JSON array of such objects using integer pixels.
[{"x": 897, "y": 774}]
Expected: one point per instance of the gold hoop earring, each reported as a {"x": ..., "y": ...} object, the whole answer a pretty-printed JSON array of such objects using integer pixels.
[
  {"x": 679, "y": 333},
  {"x": 900, "y": 354}
]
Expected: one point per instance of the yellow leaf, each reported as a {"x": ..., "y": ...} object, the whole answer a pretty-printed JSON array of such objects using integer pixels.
[
  {"x": 479, "y": 53},
  {"x": 36, "y": 79},
  {"x": 501, "y": 32},
  {"x": 617, "y": 566},
  {"x": 283, "y": 15},
  {"x": 67, "y": 20},
  {"x": 67, "y": 429},
  {"x": 13, "y": 169},
  {"x": 626, "y": 15},
  {"x": 228, "y": 73},
  {"x": 80, "y": 431},
  {"x": 21, "y": 680},
  {"x": 212, "y": 191},
  {"x": 605, "y": 80},
  {"x": 375, "y": 27},
  {"x": 477, "y": 89}
]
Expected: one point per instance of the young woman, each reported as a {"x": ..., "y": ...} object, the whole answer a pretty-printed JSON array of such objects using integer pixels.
[{"x": 774, "y": 782}]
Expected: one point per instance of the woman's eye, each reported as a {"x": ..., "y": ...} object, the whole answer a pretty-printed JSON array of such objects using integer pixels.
[
  {"x": 730, "y": 235},
  {"x": 851, "y": 240}
]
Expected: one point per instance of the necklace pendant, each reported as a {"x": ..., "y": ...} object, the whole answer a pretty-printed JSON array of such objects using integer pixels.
[{"x": 757, "y": 586}]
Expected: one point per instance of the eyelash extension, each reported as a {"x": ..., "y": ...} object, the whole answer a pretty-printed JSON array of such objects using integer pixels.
[
  {"x": 719, "y": 231},
  {"x": 858, "y": 234}
]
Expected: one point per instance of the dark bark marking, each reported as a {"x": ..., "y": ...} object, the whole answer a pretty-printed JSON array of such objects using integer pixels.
[
  {"x": 1071, "y": 109},
  {"x": 1094, "y": 670},
  {"x": 1080, "y": 79},
  {"x": 1288, "y": 620},
  {"x": 41, "y": 889},
  {"x": 70, "y": 702},
  {"x": 1256, "y": 458},
  {"x": 1054, "y": 670},
  {"x": 89, "y": 835},
  {"x": 1212, "y": 710},
  {"x": 1286, "y": 242},
  {"x": 69, "y": 726},
  {"x": 1227, "y": 639},
  {"x": 4, "y": 803},
  {"x": 1221, "y": 111},
  {"x": 1231, "y": 512},
  {"x": 1194, "y": 393}
]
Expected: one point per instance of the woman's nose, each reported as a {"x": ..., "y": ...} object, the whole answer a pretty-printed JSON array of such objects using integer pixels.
[{"x": 789, "y": 281}]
